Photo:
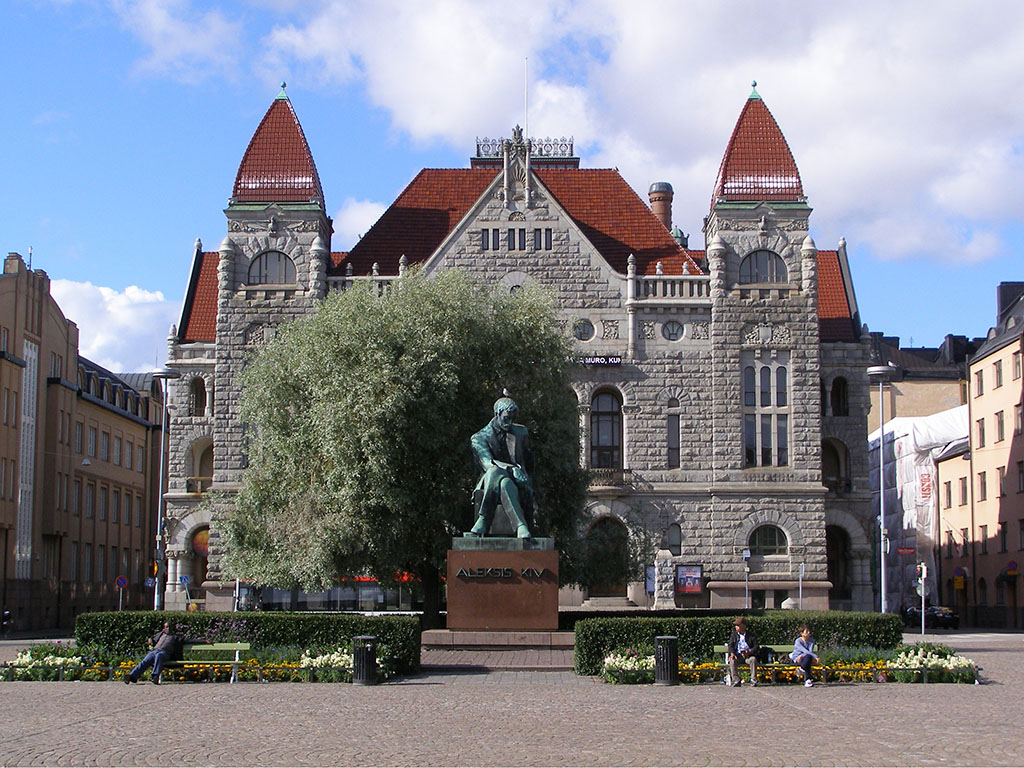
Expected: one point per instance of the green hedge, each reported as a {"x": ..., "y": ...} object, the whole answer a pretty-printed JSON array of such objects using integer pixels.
[
  {"x": 126, "y": 632},
  {"x": 595, "y": 638}
]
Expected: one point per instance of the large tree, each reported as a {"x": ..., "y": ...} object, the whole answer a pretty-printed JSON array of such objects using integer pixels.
[{"x": 359, "y": 419}]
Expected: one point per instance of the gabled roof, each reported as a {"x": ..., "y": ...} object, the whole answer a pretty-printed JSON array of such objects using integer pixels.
[
  {"x": 199, "y": 314},
  {"x": 417, "y": 222},
  {"x": 599, "y": 201},
  {"x": 758, "y": 164},
  {"x": 277, "y": 166},
  {"x": 835, "y": 319}
]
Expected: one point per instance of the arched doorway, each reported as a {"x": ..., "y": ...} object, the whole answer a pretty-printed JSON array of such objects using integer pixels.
[
  {"x": 199, "y": 545},
  {"x": 837, "y": 552},
  {"x": 607, "y": 566}
]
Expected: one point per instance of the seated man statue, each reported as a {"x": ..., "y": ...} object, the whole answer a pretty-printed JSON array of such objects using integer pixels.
[{"x": 505, "y": 460}]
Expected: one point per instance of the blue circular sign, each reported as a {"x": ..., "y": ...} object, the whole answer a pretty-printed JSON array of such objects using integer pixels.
[{"x": 121, "y": 582}]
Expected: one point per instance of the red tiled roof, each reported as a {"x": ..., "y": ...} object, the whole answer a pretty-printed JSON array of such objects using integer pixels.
[
  {"x": 419, "y": 220},
  {"x": 277, "y": 166},
  {"x": 835, "y": 321},
  {"x": 613, "y": 217},
  {"x": 757, "y": 164},
  {"x": 600, "y": 202},
  {"x": 199, "y": 320}
]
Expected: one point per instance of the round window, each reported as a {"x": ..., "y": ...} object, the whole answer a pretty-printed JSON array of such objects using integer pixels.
[
  {"x": 672, "y": 330},
  {"x": 583, "y": 330}
]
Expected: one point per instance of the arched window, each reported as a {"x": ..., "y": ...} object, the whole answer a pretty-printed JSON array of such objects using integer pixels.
[
  {"x": 765, "y": 389},
  {"x": 840, "y": 397},
  {"x": 197, "y": 397},
  {"x": 768, "y": 540},
  {"x": 272, "y": 267},
  {"x": 763, "y": 267},
  {"x": 606, "y": 431},
  {"x": 837, "y": 552},
  {"x": 672, "y": 437},
  {"x": 674, "y": 539},
  {"x": 835, "y": 466}
]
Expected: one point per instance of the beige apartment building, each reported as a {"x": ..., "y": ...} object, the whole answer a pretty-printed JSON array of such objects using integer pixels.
[
  {"x": 982, "y": 483},
  {"x": 78, "y": 466}
]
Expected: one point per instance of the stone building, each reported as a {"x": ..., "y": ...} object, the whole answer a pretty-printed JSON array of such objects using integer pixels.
[
  {"x": 78, "y": 466},
  {"x": 724, "y": 398}
]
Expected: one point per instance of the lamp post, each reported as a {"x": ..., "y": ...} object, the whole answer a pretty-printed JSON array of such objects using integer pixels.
[
  {"x": 158, "y": 593},
  {"x": 883, "y": 374}
]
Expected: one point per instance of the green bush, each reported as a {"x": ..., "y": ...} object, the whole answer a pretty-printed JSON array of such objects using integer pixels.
[
  {"x": 699, "y": 634},
  {"x": 124, "y": 633}
]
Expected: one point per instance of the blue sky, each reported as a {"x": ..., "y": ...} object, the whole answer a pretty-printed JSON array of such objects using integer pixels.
[{"x": 125, "y": 121}]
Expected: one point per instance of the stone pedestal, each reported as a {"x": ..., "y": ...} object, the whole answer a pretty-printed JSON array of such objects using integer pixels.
[{"x": 504, "y": 584}]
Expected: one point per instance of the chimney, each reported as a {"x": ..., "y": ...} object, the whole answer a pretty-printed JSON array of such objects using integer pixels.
[{"x": 660, "y": 195}]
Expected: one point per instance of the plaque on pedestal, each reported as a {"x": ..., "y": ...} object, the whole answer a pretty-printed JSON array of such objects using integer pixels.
[{"x": 498, "y": 583}]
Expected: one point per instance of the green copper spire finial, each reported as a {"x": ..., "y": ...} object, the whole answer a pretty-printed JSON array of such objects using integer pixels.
[
  {"x": 753, "y": 93},
  {"x": 282, "y": 94}
]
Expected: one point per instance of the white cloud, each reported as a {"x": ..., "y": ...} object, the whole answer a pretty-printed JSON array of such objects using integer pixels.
[
  {"x": 124, "y": 331},
  {"x": 184, "y": 44},
  {"x": 352, "y": 221}
]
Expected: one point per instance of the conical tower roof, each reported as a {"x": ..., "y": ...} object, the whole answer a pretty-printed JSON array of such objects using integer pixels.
[
  {"x": 277, "y": 166},
  {"x": 757, "y": 164}
]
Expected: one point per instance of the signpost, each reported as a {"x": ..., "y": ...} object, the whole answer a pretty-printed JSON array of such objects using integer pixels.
[
  {"x": 121, "y": 582},
  {"x": 922, "y": 589}
]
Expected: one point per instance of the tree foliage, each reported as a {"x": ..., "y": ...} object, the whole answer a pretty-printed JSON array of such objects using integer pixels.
[{"x": 358, "y": 425}]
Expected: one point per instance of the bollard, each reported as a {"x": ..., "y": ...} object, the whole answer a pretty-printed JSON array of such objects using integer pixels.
[
  {"x": 364, "y": 660},
  {"x": 666, "y": 660}
]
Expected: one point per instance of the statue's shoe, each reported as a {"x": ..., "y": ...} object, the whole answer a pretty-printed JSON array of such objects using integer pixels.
[{"x": 523, "y": 532}]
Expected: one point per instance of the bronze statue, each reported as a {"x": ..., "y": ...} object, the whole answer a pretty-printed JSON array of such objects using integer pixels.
[{"x": 505, "y": 460}]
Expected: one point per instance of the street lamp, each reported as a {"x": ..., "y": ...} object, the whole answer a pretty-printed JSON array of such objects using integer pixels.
[
  {"x": 161, "y": 375},
  {"x": 883, "y": 374}
]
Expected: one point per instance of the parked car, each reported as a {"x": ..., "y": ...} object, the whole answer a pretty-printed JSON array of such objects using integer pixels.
[{"x": 935, "y": 616}]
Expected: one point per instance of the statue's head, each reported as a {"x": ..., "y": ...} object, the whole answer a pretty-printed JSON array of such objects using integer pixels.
[{"x": 505, "y": 410}]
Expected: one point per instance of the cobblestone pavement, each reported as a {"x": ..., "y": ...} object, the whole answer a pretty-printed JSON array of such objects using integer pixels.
[{"x": 523, "y": 718}]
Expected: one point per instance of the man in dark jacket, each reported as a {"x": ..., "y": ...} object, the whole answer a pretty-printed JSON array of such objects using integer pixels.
[
  {"x": 164, "y": 646},
  {"x": 742, "y": 647}
]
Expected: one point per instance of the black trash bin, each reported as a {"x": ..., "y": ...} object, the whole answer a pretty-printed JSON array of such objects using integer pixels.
[
  {"x": 364, "y": 660},
  {"x": 666, "y": 660}
]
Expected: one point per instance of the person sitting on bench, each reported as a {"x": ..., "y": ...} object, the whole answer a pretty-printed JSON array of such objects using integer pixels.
[
  {"x": 164, "y": 646},
  {"x": 742, "y": 646}
]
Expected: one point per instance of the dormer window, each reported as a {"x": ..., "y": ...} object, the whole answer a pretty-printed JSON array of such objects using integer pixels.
[
  {"x": 273, "y": 268},
  {"x": 763, "y": 267}
]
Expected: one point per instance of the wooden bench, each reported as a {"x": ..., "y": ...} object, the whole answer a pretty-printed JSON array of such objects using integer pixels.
[
  {"x": 777, "y": 651},
  {"x": 210, "y": 663}
]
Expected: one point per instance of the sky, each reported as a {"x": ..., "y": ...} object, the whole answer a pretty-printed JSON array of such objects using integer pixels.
[{"x": 125, "y": 121}]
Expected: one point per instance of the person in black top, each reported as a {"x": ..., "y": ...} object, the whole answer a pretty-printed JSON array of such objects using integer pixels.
[
  {"x": 164, "y": 646},
  {"x": 742, "y": 647}
]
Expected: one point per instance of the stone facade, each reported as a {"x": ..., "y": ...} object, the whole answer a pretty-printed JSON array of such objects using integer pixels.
[{"x": 703, "y": 407}]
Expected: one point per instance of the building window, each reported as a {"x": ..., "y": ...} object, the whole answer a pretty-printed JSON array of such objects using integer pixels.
[
  {"x": 949, "y": 543},
  {"x": 606, "y": 431},
  {"x": 544, "y": 244},
  {"x": 485, "y": 239},
  {"x": 127, "y": 508},
  {"x": 138, "y": 511},
  {"x": 76, "y": 498},
  {"x": 516, "y": 239},
  {"x": 1002, "y": 537},
  {"x": 1016, "y": 365},
  {"x": 78, "y": 437},
  {"x": 1000, "y": 427},
  {"x": 947, "y": 494},
  {"x": 128, "y": 448},
  {"x": 74, "y": 561},
  {"x": 92, "y": 442},
  {"x": 101, "y": 562},
  {"x": 840, "y": 397},
  {"x": 139, "y": 463},
  {"x": 982, "y": 487},
  {"x": 983, "y": 538},
  {"x": 102, "y": 504},
  {"x": 196, "y": 397},
  {"x": 674, "y": 539},
  {"x": 273, "y": 268},
  {"x": 963, "y": 491},
  {"x": 87, "y": 563},
  {"x": 105, "y": 446},
  {"x": 997, "y": 374},
  {"x": 672, "y": 330},
  {"x": 768, "y": 540},
  {"x": 1018, "y": 419},
  {"x": 117, "y": 451},
  {"x": 766, "y": 413},
  {"x": 981, "y": 432},
  {"x": 979, "y": 383},
  {"x": 673, "y": 441},
  {"x": 115, "y": 506},
  {"x": 1002, "y": 480},
  {"x": 90, "y": 499},
  {"x": 966, "y": 540},
  {"x": 763, "y": 267}
]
